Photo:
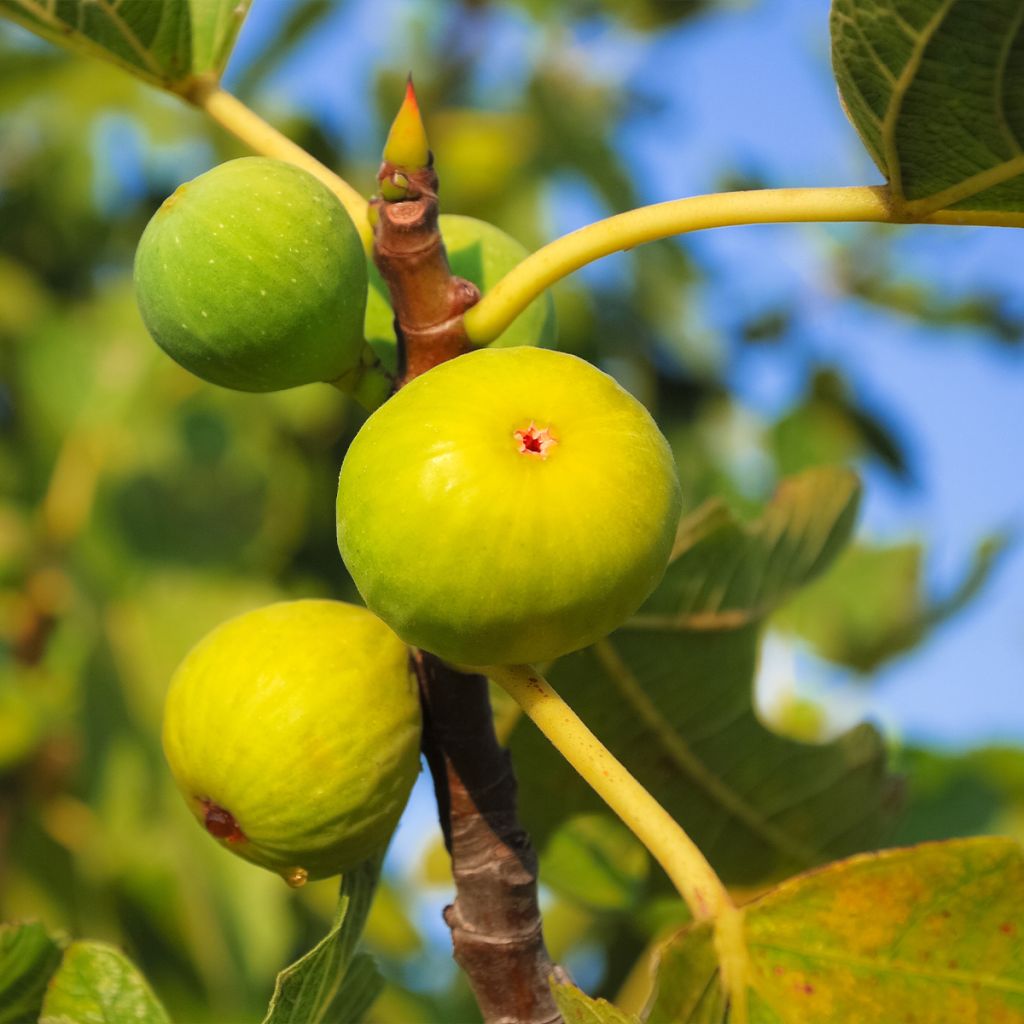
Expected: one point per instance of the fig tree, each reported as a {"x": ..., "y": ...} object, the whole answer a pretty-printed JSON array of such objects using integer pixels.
[
  {"x": 293, "y": 733},
  {"x": 510, "y": 505},
  {"x": 252, "y": 276}
]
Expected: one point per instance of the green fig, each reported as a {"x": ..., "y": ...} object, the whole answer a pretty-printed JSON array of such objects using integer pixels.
[
  {"x": 252, "y": 276},
  {"x": 293, "y": 732},
  {"x": 483, "y": 254},
  {"x": 510, "y": 505}
]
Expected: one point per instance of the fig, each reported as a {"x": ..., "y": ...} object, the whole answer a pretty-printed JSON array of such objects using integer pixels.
[
  {"x": 483, "y": 254},
  {"x": 293, "y": 733},
  {"x": 510, "y": 505},
  {"x": 252, "y": 276}
]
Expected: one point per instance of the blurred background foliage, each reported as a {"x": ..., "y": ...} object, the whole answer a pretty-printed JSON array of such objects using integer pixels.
[{"x": 139, "y": 507}]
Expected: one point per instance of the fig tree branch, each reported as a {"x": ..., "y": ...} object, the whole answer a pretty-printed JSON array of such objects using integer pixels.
[
  {"x": 247, "y": 126},
  {"x": 495, "y": 921},
  {"x": 513, "y": 293}
]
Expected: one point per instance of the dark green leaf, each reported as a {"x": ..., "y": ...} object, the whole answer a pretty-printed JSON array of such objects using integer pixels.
[
  {"x": 28, "y": 957},
  {"x": 166, "y": 43},
  {"x": 97, "y": 984},
  {"x": 329, "y": 985},
  {"x": 726, "y": 573},
  {"x": 674, "y": 702},
  {"x": 934, "y": 87},
  {"x": 931, "y": 934}
]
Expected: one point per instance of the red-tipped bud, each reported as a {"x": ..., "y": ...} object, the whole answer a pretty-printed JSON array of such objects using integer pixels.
[{"x": 407, "y": 141}]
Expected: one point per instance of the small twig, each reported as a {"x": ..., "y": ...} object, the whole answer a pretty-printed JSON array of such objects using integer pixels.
[
  {"x": 495, "y": 920},
  {"x": 427, "y": 298}
]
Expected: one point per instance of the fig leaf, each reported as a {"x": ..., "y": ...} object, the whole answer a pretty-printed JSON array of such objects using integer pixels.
[
  {"x": 167, "y": 44},
  {"x": 330, "y": 984},
  {"x": 929, "y": 933},
  {"x": 933, "y": 87}
]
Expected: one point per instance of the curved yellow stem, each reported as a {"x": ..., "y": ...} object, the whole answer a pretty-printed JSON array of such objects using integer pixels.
[
  {"x": 513, "y": 293},
  {"x": 245, "y": 124},
  {"x": 670, "y": 846}
]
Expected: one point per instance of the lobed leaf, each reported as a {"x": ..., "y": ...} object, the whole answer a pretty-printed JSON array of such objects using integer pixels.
[
  {"x": 726, "y": 573},
  {"x": 167, "y": 43},
  {"x": 934, "y": 88},
  {"x": 97, "y": 984},
  {"x": 931, "y": 933},
  {"x": 28, "y": 958},
  {"x": 670, "y": 694},
  {"x": 329, "y": 985},
  {"x": 873, "y": 605}
]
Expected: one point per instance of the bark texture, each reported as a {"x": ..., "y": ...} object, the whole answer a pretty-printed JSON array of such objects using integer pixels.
[{"x": 495, "y": 920}]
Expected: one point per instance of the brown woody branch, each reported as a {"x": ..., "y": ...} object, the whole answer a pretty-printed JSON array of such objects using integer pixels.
[
  {"x": 427, "y": 298},
  {"x": 495, "y": 919}
]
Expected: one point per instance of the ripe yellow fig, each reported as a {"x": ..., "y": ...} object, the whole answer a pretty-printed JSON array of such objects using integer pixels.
[
  {"x": 293, "y": 733},
  {"x": 253, "y": 277},
  {"x": 508, "y": 506}
]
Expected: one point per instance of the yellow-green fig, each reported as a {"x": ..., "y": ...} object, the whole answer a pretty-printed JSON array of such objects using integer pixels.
[
  {"x": 252, "y": 276},
  {"x": 508, "y": 506},
  {"x": 293, "y": 733}
]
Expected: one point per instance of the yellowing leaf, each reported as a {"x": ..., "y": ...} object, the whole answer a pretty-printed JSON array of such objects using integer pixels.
[{"x": 932, "y": 934}]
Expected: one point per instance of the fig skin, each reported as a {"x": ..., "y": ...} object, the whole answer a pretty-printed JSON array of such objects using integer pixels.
[
  {"x": 252, "y": 276},
  {"x": 483, "y": 254},
  {"x": 483, "y": 553},
  {"x": 293, "y": 732}
]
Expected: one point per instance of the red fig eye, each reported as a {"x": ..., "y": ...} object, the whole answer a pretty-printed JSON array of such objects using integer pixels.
[
  {"x": 222, "y": 824},
  {"x": 535, "y": 440}
]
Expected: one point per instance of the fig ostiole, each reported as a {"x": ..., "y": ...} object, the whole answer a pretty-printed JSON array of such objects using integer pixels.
[
  {"x": 510, "y": 505},
  {"x": 293, "y": 732},
  {"x": 252, "y": 276},
  {"x": 483, "y": 254}
]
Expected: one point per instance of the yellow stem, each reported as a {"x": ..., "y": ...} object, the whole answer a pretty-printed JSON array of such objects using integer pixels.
[
  {"x": 234, "y": 116},
  {"x": 670, "y": 846},
  {"x": 513, "y": 293}
]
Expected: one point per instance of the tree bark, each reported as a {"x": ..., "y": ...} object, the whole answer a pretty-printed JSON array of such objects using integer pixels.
[{"x": 495, "y": 920}]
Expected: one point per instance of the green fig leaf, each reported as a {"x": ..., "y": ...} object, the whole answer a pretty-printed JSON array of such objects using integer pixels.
[
  {"x": 578, "y": 1008},
  {"x": 873, "y": 606},
  {"x": 933, "y": 87},
  {"x": 330, "y": 985},
  {"x": 28, "y": 958},
  {"x": 674, "y": 702},
  {"x": 167, "y": 44},
  {"x": 95, "y": 984},
  {"x": 962, "y": 794},
  {"x": 725, "y": 573},
  {"x": 925, "y": 933},
  {"x": 596, "y": 862}
]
